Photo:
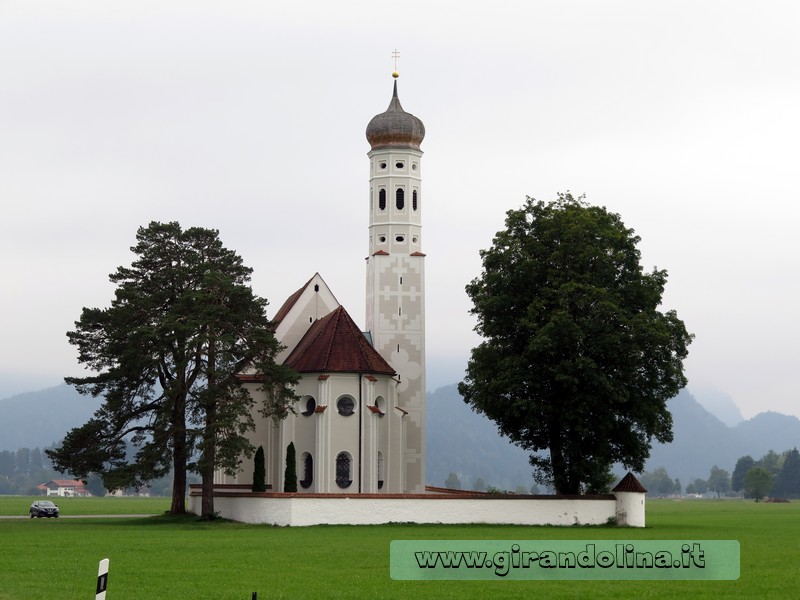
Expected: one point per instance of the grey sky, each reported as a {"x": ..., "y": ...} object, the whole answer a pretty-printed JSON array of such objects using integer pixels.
[{"x": 249, "y": 117}]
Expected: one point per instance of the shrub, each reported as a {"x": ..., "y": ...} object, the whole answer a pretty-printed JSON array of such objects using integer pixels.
[
  {"x": 259, "y": 471},
  {"x": 290, "y": 475}
]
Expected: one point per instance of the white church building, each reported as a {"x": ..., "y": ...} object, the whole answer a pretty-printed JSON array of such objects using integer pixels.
[
  {"x": 360, "y": 422},
  {"x": 359, "y": 427}
]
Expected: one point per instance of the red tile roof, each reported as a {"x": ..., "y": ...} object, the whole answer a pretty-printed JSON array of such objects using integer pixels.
[
  {"x": 629, "y": 483},
  {"x": 334, "y": 343},
  {"x": 66, "y": 483}
]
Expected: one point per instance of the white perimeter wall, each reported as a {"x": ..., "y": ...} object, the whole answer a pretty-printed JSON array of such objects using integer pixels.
[{"x": 298, "y": 511}]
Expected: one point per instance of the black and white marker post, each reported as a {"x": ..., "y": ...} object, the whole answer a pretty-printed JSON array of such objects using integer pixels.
[{"x": 102, "y": 580}]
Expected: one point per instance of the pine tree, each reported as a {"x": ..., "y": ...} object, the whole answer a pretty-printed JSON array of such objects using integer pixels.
[{"x": 787, "y": 483}]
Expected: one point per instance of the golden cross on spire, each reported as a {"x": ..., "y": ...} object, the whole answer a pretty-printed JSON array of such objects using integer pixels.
[{"x": 395, "y": 56}]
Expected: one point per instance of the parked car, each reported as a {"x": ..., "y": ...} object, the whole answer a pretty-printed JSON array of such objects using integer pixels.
[{"x": 44, "y": 508}]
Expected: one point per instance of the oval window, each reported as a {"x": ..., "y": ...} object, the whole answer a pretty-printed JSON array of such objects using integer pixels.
[
  {"x": 309, "y": 404},
  {"x": 345, "y": 405}
]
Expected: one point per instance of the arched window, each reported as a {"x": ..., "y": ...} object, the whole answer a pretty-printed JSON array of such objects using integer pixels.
[
  {"x": 414, "y": 200},
  {"x": 400, "y": 198},
  {"x": 382, "y": 198},
  {"x": 344, "y": 470},
  {"x": 380, "y": 470},
  {"x": 308, "y": 470}
]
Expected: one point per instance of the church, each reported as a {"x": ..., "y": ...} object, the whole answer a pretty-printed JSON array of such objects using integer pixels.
[{"x": 359, "y": 426}]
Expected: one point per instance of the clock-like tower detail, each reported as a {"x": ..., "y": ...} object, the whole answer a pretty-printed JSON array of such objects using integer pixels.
[{"x": 395, "y": 315}]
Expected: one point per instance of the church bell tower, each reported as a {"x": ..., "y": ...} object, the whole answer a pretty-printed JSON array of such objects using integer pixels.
[{"x": 395, "y": 314}]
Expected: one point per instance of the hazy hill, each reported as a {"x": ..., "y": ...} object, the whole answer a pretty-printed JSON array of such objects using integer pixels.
[
  {"x": 41, "y": 418},
  {"x": 462, "y": 441},
  {"x": 700, "y": 441},
  {"x": 719, "y": 404},
  {"x": 769, "y": 431}
]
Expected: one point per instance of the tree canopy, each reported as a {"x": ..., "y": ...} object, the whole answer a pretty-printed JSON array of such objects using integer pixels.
[
  {"x": 757, "y": 483},
  {"x": 576, "y": 358},
  {"x": 165, "y": 357}
]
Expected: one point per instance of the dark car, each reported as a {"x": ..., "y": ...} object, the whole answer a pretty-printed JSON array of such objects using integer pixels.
[{"x": 44, "y": 508}]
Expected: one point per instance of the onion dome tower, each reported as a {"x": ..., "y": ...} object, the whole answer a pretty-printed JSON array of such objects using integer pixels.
[{"x": 395, "y": 314}]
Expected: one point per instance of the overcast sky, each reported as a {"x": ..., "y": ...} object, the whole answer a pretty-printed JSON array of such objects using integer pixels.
[{"x": 249, "y": 117}]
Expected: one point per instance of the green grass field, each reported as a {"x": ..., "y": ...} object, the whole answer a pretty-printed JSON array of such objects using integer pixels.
[
  {"x": 111, "y": 505},
  {"x": 161, "y": 557}
]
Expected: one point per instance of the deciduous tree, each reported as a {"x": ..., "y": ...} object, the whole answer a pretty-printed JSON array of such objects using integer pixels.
[
  {"x": 719, "y": 481},
  {"x": 452, "y": 482},
  {"x": 576, "y": 358},
  {"x": 757, "y": 483},
  {"x": 165, "y": 357}
]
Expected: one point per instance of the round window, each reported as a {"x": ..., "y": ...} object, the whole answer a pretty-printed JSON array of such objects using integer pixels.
[
  {"x": 382, "y": 165},
  {"x": 399, "y": 165},
  {"x": 345, "y": 405}
]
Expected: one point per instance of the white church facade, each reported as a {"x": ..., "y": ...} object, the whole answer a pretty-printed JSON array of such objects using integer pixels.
[{"x": 360, "y": 422}]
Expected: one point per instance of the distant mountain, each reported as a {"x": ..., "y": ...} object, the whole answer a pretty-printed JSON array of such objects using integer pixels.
[
  {"x": 769, "y": 431},
  {"x": 39, "y": 419},
  {"x": 461, "y": 441},
  {"x": 719, "y": 404},
  {"x": 700, "y": 441}
]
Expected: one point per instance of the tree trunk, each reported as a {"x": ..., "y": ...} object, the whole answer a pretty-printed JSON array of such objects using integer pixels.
[
  {"x": 208, "y": 461},
  {"x": 179, "y": 456}
]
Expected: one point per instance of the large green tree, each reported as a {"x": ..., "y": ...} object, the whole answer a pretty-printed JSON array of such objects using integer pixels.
[
  {"x": 576, "y": 357},
  {"x": 165, "y": 357}
]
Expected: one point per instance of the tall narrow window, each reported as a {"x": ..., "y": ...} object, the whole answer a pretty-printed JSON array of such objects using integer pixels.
[
  {"x": 308, "y": 471},
  {"x": 382, "y": 198},
  {"x": 400, "y": 198},
  {"x": 380, "y": 470},
  {"x": 344, "y": 471},
  {"x": 414, "y": 200}
]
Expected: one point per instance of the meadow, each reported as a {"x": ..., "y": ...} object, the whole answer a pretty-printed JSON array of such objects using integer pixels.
[{"x": 181, "y": 558}]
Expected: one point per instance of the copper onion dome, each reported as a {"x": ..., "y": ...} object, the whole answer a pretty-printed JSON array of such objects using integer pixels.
[{"x": 395, "y": 128}]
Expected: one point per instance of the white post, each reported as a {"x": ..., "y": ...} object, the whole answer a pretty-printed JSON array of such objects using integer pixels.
[{"x": 102, "y": 580}]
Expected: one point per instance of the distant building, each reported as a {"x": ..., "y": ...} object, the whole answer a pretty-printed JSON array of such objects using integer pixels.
[{"x": 63, "y": 487}]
